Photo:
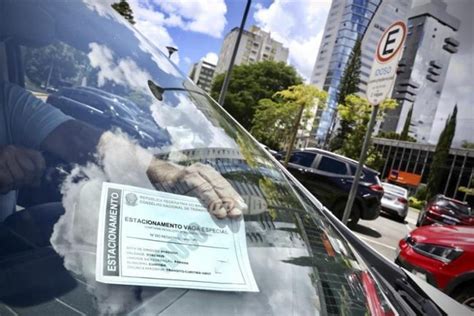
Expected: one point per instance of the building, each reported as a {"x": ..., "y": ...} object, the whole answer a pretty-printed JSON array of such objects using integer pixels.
[
  {"x": 201, "y": 73},
  {"x": 422, "y": 69},
  {"x": 255, "y": 45},
  {"x": 416, "y": 158},
  {"x": 348, "y": 21}
]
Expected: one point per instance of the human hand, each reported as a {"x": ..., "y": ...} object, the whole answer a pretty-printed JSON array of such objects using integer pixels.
[
  {"x": 201, "y": 181},
  {"x": 18, "y": 167}
]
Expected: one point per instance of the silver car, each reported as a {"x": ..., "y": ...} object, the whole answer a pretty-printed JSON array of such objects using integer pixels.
[{"x": 395, "y": 200}]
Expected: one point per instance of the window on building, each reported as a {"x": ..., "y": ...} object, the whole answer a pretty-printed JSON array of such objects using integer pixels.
[{"x": 331, "y": 165}]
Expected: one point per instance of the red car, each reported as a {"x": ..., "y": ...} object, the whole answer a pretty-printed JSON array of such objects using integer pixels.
[
  {"x": 447, "y": 211},
  {"x": 444, "y": 256}
]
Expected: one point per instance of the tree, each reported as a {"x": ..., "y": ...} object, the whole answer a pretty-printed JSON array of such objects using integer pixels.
[
  {"x": 394, "y": 135},
  {"x": 437, "y": 171},
  {"x": 349, "y": 85},
  {"x": 251, "y": 83},
  {"x": 274, "y": 118},
  {"x": 124, "y": 9},
  {"x": 356, "y": 112},
  {"x": 467, "y": 145},
  {"x": 55, "y": 65},
  {"x": 406, "y": 127}
]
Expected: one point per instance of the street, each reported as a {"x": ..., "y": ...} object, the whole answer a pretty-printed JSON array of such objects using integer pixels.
[{"x": 384, "y": 233}]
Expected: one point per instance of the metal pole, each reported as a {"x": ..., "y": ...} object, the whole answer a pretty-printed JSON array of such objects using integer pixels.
[
  {"x": 225, "y": 84},
  {"x": 453, "y": 164},
  {"x": 460, "y": 175},
  {"x": 293, "y": 135},
  {"x": 363, "y": 155},
  {"x": 386, "y": 161}
]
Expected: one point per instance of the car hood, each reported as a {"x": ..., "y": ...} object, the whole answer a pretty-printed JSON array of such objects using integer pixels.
[{"x": 449, "y": 235}]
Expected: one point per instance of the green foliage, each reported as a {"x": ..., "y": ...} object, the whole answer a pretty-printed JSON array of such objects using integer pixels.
[
  {"x": 421, "y": 192},
  {"x": 351, "y": 79},
  {"x": 437, "y": 170},
  {"x": 251, "y": 83},
  {"x": 356, "y": 112},
  {"x": 467, "y": 145},
  {"x": 415, "y": 203},
  {"x": 406, "y": 127},
  {"x": 123, "y": 8},
  {"x": 274, "y": 118},
  {"x": 394, "y": 135},
  {"x": 349, "y": 85}
]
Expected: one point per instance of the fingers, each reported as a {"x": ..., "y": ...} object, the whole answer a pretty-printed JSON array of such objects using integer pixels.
[
  {"x": 199, "y": 180},
  {"x": 231, "y": 200},
  {"x": 204, "y": 191}
]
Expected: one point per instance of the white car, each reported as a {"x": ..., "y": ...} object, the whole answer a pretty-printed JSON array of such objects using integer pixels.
[{"x": 395, "y": 200}]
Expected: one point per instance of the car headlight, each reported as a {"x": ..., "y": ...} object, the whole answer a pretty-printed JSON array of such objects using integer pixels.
[{"x": 437, "y": 252}]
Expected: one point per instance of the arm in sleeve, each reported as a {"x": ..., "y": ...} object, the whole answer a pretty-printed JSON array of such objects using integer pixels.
[{"x": 29, "y": 120}]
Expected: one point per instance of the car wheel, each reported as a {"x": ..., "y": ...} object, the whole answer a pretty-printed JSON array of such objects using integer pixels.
[
  {"x": 338, "y": 210},
  {"x": 465, "y": 295}
]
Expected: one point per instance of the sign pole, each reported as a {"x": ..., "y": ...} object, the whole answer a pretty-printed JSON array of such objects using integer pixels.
[
  {"x": 363, "y": 156},
  {"x": 380, "y": 84}
]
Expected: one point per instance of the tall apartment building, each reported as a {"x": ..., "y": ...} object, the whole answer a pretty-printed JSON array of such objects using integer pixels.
[
  {"x": 422, "y": 69},
  {"x": 255, "y": 45},
  {"x": 201, "y": 73},
  {"x": 348, "y": 21}
]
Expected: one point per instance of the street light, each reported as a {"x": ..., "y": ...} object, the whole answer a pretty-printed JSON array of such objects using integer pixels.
[{"x": 225, "y": 84}]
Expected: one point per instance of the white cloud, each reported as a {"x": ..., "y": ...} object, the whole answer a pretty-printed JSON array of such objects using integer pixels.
[
  {"x": 299, "y": 25},
  {"x": 207, "y": 17},
  {"x": 153, "y": 17},
  {"x": 122, "y": 71},
  {"x": 187, "y": 60},
  {"x": 211, "y": 57}
]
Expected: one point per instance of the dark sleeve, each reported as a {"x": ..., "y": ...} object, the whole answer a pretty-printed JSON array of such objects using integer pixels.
[{"x": 29, "y": 119}]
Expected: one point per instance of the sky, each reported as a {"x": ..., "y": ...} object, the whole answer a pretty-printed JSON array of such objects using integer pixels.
[{"x": 198, "y": 27}]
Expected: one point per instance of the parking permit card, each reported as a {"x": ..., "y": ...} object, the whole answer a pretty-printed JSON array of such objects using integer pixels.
[{"x": 154, "y": 238}]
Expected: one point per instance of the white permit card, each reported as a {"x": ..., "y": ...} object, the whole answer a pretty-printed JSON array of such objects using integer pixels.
[{"x": 152, "y": 238}]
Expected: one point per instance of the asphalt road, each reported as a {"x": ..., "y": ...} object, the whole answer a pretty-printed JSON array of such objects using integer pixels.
[{"x": 384, "y": 233}]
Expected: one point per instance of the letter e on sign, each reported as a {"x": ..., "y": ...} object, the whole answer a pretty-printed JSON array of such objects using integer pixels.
[{"x": 385, "y": 63}]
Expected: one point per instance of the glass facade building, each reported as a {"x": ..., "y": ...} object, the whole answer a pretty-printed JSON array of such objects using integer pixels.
[{"x": 348, "y": 21}]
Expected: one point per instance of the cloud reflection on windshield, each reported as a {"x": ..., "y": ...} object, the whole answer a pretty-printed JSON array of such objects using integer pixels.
[{"x": 188, "y": 126}]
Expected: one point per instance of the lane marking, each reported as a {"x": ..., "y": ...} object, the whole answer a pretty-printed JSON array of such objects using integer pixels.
[
  {"x": 10, "y": 310},
  {"x": 376, "y": 242},
  {"x": 69, "y": 306}
]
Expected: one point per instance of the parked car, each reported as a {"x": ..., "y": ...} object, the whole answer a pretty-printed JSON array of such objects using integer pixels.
[
  {"x": 443, "y": 256},
  {"x": 329, "y": 177},
  {"x": 101, "y": 108},
  {"x": 304, "y": 260},
  {"x": 446, "y": 211},
  {"x": 395, "y": 200}
]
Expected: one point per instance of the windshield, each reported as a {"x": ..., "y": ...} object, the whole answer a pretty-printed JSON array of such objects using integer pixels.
[
  {"x": 452, "y": 205},
  {"x": 83, "y": 93}
]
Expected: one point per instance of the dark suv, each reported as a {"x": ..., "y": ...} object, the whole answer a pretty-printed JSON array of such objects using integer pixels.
[{"x": 329, "y": 177}]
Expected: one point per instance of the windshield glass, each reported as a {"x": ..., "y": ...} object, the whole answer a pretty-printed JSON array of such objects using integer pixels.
[
  {"x": 85, "y": 99},
  {"x": 452, "y": 205}
]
